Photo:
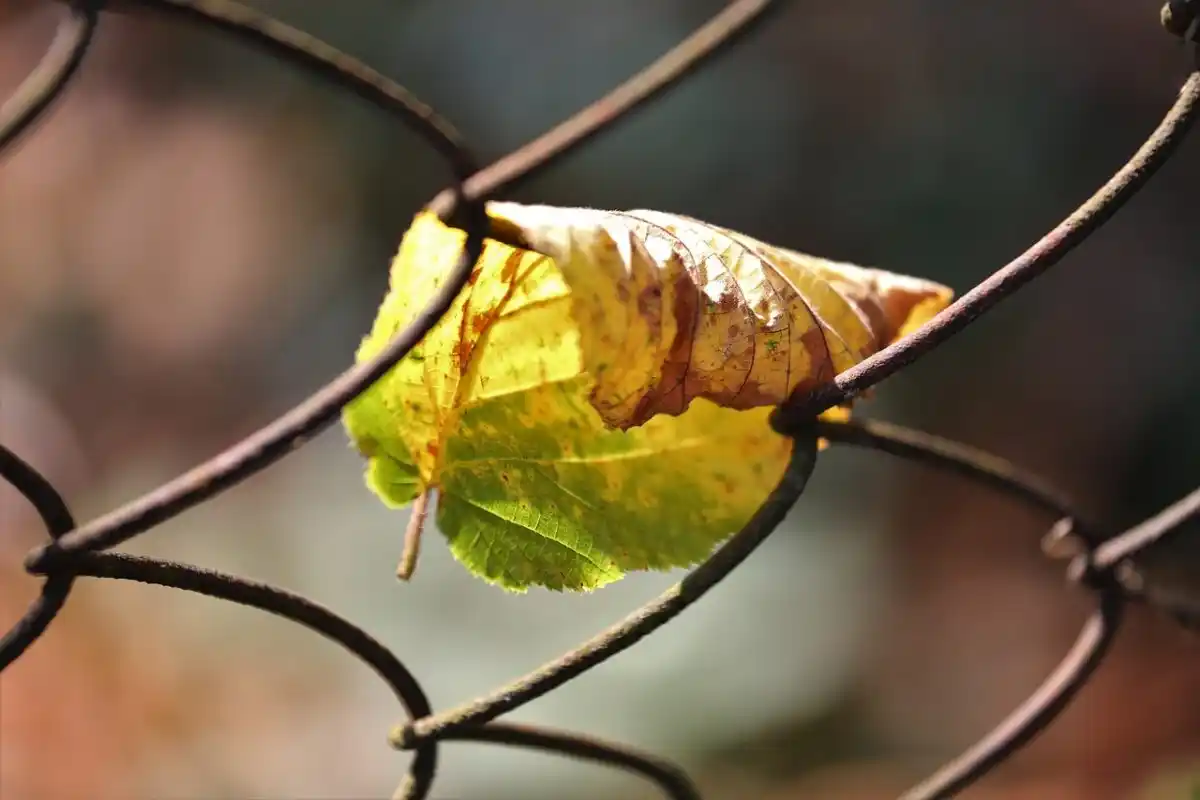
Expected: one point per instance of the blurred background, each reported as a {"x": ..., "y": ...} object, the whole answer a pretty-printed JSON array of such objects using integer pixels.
[{"x": 199, "y": 235}]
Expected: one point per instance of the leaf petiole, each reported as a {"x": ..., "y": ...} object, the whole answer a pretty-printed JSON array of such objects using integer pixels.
[{"x": 412, "y": 536}]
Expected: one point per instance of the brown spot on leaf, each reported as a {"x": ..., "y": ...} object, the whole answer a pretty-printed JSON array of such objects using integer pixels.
[
  {"x": 729, "y": 301},
  {"x": 821, "y": 371},
  {"x": 462, "y": 353},
  {"x": 509, "y": 271},
  {"x": 667, "y": 396},
  {"x": 649, "y": 304},
  {"x": 754, "y": 394},
  {"x": 479, "y": 324}
]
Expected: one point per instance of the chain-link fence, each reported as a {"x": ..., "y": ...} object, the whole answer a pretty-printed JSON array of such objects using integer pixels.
[{"x": 1099, "y": 559}]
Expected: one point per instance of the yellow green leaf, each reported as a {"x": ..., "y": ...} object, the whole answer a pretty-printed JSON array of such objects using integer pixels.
[{"x": 597, "y": 401}]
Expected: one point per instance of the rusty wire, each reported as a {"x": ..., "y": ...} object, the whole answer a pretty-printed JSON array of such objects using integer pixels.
[{"x": 76, "y": 551}]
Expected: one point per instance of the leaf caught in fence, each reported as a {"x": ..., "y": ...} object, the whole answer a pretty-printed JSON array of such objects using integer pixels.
[{"x": 597, "y": 403}]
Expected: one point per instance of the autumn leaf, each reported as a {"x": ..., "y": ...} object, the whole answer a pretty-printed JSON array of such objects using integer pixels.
[{"x": 596, "y": 402}]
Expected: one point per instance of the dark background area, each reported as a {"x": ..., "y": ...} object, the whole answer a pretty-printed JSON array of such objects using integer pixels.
[{"x": 198, "y": 237}]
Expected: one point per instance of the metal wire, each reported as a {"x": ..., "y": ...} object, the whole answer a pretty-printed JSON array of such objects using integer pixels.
[
  {"x": 637, "y": 625},
  {"x": 1038, "y": 711},
  {"x": 1035, "y": 261},
  {"x": 57, "y": 518},
  {"x": 50, "y": 77},
  {"x": 76, "y": 551},
  {"x": 674, "y": 783},
  {"x": 283, "y": 603}
]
